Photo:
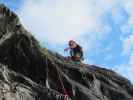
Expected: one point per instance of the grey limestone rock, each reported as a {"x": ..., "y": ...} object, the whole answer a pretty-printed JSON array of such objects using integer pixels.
[{"x": 30, "y": 72}]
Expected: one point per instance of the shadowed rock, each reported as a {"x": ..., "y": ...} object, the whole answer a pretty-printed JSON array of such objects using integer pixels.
[{"x": 29, "y": 72}]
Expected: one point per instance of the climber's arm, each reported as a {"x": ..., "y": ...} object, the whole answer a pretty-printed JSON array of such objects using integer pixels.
[{"x": 66, "y": 49}]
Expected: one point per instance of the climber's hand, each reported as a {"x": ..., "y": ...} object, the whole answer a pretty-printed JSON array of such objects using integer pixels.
[{"x": 66, "y": 49}]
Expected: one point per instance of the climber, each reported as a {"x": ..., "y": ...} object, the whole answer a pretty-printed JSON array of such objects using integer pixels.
[{"x": 76, "y": 52}]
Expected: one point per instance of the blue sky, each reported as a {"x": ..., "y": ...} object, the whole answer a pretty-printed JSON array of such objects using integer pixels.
[
  {"x": 12, "y": 4},
  {"x": 103, "y": 28}
]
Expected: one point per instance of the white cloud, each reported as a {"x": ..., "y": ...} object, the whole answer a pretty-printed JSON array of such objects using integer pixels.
[
  {"x": 127, "y": 69},
  {"x": 128, "y": 6},
  {"x": 58, "y": 21},
  {"x": 128, "y": 45},
  {"x": 130, "y": 68}
]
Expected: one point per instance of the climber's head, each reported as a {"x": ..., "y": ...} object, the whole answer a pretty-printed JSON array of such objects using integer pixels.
[{"x": 72, "y": 44}]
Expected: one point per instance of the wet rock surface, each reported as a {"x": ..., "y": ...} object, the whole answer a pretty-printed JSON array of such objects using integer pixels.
[{"x": 29, "y": 72}]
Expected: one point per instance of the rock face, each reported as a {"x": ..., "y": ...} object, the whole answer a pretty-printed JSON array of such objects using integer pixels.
[{"x": 29, "y": 72}]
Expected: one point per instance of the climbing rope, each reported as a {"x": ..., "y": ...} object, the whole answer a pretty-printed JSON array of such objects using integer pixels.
[
  {"x": 63, "y": 87},
  {"x": 66, "y": 97}
]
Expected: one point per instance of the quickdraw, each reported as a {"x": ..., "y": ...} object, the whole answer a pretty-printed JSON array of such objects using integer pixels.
[{"x": 83, "y": 75}]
